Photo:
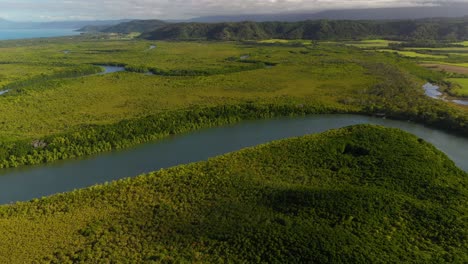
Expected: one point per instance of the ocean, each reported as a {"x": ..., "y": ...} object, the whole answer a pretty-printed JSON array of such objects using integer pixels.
[{"x": 35, "y": 33}]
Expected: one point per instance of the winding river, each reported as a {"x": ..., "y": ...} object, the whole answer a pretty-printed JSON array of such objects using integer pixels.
[{"x": 25, "y": 183}]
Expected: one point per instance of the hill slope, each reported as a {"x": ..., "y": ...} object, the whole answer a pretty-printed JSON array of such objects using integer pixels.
[
  {"x": 128, "y": 27},
  {"x": 429, "y": 29},
  {"x": 136, "y": 26},
  {"x": 362, "y": 194}
]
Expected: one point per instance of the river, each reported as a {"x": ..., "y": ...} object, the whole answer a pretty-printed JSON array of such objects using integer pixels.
[{"x": 25, "y": 183}]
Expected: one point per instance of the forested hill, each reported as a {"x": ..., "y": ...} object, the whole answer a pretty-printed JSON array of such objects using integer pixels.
[
  {"x": 127, "y": 27},
  {"x": 427, "y": 29},
  {"x": 136, "y": 26}
]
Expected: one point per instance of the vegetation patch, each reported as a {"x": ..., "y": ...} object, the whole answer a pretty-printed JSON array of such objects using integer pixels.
[
  {"x": 412, "y": 54},
  {"x": 461, "y": 88},
  {"x": 447, "y": 68}
]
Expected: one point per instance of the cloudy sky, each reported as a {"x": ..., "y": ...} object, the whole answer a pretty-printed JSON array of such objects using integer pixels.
[{"x": 41, "y": 10}]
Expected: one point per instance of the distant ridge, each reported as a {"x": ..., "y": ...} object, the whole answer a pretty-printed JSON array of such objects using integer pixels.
[
  {"x": 135, "y": 26},
  {"x": 398, "y": 13},
  {"x": 58, "y": 24},
  {"x": 414, "y": 30}
]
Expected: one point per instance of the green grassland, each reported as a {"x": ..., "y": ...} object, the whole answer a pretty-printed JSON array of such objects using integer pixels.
[
  {"x": 462, "y": 88},
  {"x": 372, "y": 44},
  {"x": 286, "y": 41},
  {"x": 413, "y": 54},
  {"x": 464, "y": 43},
  {"x": 462, "y": 64},
  {"x": 362, "y": 194}
]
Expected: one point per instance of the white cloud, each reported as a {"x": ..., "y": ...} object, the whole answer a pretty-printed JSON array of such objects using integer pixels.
[{"x": 165, "y": 9}]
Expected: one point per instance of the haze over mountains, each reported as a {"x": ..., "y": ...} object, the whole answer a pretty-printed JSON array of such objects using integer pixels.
[
  {"x": 396, "y": 13},
  {"x": 6, "y": 24},
  {"x": 454, "y": 10}
]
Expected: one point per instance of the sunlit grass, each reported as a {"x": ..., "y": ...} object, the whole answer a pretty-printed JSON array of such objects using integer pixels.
[
  {"x": 286, "y": 41},
  {"x": 464, "y": 43},
  {"x": 374, "y": 43},
  {"x": 462, "y": 90},
  {"x": 412, "y": 54}
]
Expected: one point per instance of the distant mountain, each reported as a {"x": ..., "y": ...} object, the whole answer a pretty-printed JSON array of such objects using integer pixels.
[
  {"x": 80, "y": 24},
  {"x": 4, "y": 22},
  {"x": 58, "y": 24},
  {"x": 426, "y": 29},
  {"x": 446, "y": 10},
  {"x": 131, "y": 26},
  {"x": 92, "y": 28},
  {"x": 189, "y": 29}
]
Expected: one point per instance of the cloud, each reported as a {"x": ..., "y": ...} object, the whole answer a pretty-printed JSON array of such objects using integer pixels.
[{"x": 166, "y": 9}]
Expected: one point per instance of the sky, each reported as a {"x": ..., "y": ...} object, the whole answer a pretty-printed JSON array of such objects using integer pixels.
[{"x": 52, "y": 10}]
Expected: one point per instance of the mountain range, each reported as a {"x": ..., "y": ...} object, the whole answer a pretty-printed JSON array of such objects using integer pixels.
[
  {"x": 6, "y": 24},
  {"x": 397, "y": 13}
]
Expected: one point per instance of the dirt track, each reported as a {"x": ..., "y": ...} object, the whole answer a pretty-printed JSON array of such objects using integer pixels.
[{"x": 448, "y": 68}]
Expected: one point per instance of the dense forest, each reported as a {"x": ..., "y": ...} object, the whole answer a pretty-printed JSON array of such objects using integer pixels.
[
  {"x": 135, "y": 26},
  {"x": 361, "y": 194},
  {"x": 414, "y": 30}
]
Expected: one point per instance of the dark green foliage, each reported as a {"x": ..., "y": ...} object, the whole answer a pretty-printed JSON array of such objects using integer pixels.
[
  {"x": 426, "y": 31},
  {"x": 140, "y": 69},
  {"x": 301, "y": 200},
  {"x": 43, "y": 80},
  {"x": 250, "y": 65},
  {"x": 424, "y": 44},
  {"x": 134, "y": 26}
]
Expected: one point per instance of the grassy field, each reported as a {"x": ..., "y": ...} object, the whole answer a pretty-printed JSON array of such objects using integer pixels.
[
  {"x": 286, "y": 41},
  {"x": 464, "y": 43},
  {"x": 462, "y": 89},
  {"x": 462, "y": 64},
  {"x": 446, "y": 67},
  {"x": 372, "y": 44},
  {"x": 413, "y": 54},
  {"x": 362, "y": 194}
]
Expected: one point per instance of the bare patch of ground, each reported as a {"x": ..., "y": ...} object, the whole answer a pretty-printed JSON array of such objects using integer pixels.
[{"x": 448, "y": 68}]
